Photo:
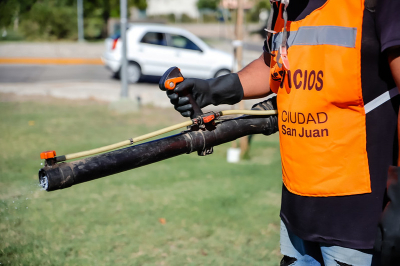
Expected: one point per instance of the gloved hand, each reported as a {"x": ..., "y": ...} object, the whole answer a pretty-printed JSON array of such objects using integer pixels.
[
  {"x": 388, "y": 239},
  {"x": 272, "y": 122},
  {"x": 226, "y": 89}
]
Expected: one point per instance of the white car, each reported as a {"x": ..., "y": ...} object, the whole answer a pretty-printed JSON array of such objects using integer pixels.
[{"x": 152, "y": 49}]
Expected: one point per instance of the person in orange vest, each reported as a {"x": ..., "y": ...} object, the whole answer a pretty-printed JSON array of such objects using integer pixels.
[{"x": 333, "y": 66}]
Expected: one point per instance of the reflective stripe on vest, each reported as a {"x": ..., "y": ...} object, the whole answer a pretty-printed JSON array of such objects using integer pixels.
[
  {"x": 381, "y": 99},
  {"x": 318, "y": 35},
  {"x": 322, "y": 123}
]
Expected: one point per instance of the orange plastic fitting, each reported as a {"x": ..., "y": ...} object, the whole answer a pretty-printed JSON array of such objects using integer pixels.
[
  {"x": 47, "y": 155},
  {"x": 208, "y": 118}
]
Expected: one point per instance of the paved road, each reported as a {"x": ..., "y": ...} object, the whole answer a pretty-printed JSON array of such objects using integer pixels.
[
  {"x": 75, "y": 82},
  {"x": 16, "y": 73},
  {"x": 78, "y": 82},
  {"x": 50, "y": 73},
  {"x": 61, "y": 74},
  {"x": 81, "y": 81}
]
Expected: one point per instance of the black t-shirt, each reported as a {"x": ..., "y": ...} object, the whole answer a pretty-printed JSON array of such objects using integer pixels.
[{"x": 351, "y": 221}]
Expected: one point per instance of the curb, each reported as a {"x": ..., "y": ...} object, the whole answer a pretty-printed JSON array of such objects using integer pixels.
[{"x": 52, "y": 61}]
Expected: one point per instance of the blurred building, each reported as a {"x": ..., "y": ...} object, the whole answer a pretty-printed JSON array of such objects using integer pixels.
[{"x": 176, "y": 7}]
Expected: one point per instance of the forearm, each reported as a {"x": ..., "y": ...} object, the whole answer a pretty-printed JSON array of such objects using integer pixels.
[
  {"x": 394, "y": 63},
  {"x": 255, "y": 79}
]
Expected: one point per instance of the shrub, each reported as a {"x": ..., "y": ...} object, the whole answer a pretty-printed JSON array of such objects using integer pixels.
[
  {"x": 46, "y": 21},
  {"x": 10, "y": 35}
]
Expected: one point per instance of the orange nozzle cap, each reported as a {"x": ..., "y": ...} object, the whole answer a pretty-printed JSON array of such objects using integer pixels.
[{"x": 48, "y": 155}]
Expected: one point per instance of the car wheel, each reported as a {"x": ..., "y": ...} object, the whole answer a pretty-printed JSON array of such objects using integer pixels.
[
  {"x": 222, "y": 72},
  {"x": 115, "y": 75},
  {"x": 134, "y": 72}
]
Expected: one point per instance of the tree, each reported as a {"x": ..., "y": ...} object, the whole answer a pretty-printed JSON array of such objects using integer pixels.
[
  {"x": 49, "y": 19},
  {"x": 12, "y": 9},
  {"x": 140, "y": 4},
  {"x": 208, "y": 4},
  {"x": 263, "y": 4},
  {"x": 57, "y": 19},
  {"x": 105, "y": 9},
  {"x": 254, "y": 13}
]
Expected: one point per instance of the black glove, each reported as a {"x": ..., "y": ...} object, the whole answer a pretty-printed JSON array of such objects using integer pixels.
[
  {"x": 226, "y": 89},
  {"x": 388, "y": 239}
]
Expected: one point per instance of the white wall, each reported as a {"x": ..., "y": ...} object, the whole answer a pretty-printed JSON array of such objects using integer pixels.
[{"x": 177, "y": 7}]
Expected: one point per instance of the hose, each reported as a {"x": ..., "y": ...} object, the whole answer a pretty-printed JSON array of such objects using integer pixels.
[
  {"x": 160, "y": 132},
  {"x": 249, "y": 112},
  {"x": 127, "y": 142}
]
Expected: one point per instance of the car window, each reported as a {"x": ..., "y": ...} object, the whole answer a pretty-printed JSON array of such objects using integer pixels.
[
  {"x": 156, "y": 38},
  {"x": 180, "y": 41}
]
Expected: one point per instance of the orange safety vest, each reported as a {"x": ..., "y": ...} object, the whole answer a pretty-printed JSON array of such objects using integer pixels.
[{"x": 321, "y": 109}]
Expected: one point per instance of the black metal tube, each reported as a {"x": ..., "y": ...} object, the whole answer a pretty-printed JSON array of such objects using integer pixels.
[{"x": 66, "y": 174}]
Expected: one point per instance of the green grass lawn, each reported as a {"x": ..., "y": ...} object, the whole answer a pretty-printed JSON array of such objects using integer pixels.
[{"x": 187, "y": 210}]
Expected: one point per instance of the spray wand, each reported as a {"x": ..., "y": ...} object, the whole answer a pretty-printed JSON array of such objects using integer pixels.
[{"x": 203, "y": 133}]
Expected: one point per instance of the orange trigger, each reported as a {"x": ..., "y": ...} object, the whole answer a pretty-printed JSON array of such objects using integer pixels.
[{"x": 170, "y": 84}]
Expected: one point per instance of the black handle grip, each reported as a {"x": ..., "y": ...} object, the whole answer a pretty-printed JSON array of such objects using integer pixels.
[
  {"x": 170, "y": 79},
  {"x": 196, "y": 108}
]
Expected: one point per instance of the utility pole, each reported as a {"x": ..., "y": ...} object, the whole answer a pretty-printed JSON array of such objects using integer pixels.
[
  {"x": 239, "y": 34},
  {"x": 81, "y": 38},
  {"x": 239, "y": 60},
  {"x": 124, "y": 62}
]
